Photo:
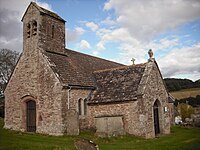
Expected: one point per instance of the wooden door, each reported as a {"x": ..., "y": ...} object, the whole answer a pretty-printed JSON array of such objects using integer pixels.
[
  {"x": 156, "y": 118},
  {"x": 31, "y": 116}
]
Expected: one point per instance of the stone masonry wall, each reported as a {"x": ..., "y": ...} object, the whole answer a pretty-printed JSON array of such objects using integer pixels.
[
  {"x": 75, "y": 95},
  {"x": 34, "y": 79},
  {"x": 128, "y": 110},
  {"x": 138, "y": 116},
  {"x": 155, "y": 90},
  {"x": 52, "y": 34},
  {"x": 23, "y": 81}
]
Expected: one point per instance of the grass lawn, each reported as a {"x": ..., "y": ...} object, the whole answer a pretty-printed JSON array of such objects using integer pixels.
[{"x": 179, "y": 139}]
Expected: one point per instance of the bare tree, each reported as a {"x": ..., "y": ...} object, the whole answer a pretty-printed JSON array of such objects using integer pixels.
[{"x": 8, "y": 59}]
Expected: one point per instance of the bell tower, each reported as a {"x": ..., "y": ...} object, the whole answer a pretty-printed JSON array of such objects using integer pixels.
[{"x": 43, "y": 30}]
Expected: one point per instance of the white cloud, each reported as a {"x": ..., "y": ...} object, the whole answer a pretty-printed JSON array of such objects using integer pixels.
[
  {"x": 79, "y": 30},
  {"x": 92, "y": 26},
  {"x": 73, "y": 35},
  {"x": 184, "y": 60},
  {"x": 100, "y": 46},
  {"x": 84, "y": 45},
  {"x": 45, "y": 5},
  {"x": 146, "y": 18},
  {"x": 108, "y": 21},
  {"x": 139, "y": 22},
  {"x": 95, "y": 53}
]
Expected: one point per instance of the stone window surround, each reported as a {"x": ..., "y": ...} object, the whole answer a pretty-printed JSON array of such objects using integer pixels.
[
  {"x": 31, "y": 28},
  {"x": 24, "y": 100},
  {"x": 82, "y": 106}
]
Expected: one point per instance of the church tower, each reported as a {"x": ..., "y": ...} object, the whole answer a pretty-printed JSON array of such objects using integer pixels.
[{"x": 43, "y": 30}]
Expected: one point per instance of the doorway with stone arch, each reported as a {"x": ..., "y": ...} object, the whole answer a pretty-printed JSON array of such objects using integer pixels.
[
  {"x": 156, "y": 114},
  {"x": 31, "y": 116}
]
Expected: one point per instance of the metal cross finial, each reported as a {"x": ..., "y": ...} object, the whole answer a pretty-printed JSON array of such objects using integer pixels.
[{"x": 133, "y": 60}]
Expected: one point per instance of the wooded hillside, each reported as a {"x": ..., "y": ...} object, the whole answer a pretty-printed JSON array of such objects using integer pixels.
[{"x": 179, "y": 84}]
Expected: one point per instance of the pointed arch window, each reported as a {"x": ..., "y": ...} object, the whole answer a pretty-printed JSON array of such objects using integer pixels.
[
  {"x": 79, "y": 106},
  {"x": 82, "y": 106},
  {"x": 85, "y": 106},
  {"x": 34, "y": 27}
]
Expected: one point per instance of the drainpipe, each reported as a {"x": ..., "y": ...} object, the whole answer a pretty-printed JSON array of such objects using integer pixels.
[{"x": 68, "y": 97}]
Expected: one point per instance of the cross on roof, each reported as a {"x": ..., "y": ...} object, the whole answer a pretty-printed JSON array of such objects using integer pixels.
[{"x": 133, "y": 60}]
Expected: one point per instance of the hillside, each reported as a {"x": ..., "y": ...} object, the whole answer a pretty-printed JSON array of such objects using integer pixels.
[{"x": 174, "y": 84}]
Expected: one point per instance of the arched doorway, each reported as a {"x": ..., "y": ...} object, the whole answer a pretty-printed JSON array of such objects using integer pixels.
[
  {"x": 31, "y": 116},
  {"x": 156, "y": 117}
]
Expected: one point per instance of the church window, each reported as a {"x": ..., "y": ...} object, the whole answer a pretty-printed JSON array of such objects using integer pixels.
[
  {"x": 28, "y": 30},
  {"x": 82, "y": 106},
  {"x": 79, "y": 106},
  {"x": 34, "y": 27},
  {"x": 52, "y": 31},
  {"x": 85, "y": 106}
]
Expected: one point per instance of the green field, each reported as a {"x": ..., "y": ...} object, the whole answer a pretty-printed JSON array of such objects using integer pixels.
[
  {"x": 193, "y": 92},
  {"x": 179, "y": 139}
]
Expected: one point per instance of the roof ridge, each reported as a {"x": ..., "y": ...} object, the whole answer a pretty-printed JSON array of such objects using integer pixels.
[
  {"x": 118, "y": 68},
  {"x": 94, "y": 56},
  {"x": 45, "y": 11}
]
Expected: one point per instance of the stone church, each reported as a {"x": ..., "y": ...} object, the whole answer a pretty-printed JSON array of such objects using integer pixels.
[{"x": 56, "y": 91}]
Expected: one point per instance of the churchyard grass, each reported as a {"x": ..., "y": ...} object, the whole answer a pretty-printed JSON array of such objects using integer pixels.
[{"x": 180, "y": 139}]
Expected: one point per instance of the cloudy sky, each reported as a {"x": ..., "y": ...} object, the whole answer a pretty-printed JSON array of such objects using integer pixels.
[{"x": 120, "y": 30}]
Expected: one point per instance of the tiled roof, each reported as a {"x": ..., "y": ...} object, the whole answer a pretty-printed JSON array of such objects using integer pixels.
[
  {"x": 118, "y": 84},
  {"x": 45, "y": 11},
  {"x": 74, "y": 68}
]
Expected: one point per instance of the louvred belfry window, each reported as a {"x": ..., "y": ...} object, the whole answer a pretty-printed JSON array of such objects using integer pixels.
[
  {"x": 28, "y": 30},
  {"x": 34, "y": 27}
]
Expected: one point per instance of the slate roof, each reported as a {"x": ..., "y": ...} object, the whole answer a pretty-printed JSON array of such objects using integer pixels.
[
  {"x": 74, "y": 68},
  {"x": 44, "y": 11},
  {"x": 118, "y": 84}
]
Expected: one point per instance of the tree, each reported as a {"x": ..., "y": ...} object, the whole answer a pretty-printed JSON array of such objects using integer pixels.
[
  {"x": 8, "y": 59},
  {"x": 185, "y": 110}
]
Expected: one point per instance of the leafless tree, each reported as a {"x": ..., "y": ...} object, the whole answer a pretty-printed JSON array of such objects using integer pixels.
[{"x": 8, "y": 59}]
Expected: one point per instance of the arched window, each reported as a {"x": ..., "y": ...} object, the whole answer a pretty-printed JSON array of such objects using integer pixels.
[
  {"x": 82, "y": 106},
  {"x": 156, "y": 117},
  {"x": 28, "y": 30},
  {"x": 31, "y": 116},
  {"x": 34, "y": 27},
  {"x": 79, "y": 106},
  {"x": 85, "y": 106}
]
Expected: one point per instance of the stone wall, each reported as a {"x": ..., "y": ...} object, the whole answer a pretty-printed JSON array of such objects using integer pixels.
[
  {"x": 128, "y": 111},
  {"x": 155, "y": 90},
  {"x": 47, "y": 41},
  {"x": 75, "y": 95},
  {"x": 33, "y": 79},
  {"x": 138, "y": 118}
]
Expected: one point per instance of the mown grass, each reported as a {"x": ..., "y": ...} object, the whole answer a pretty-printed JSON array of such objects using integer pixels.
[
  {"x": 179, "y": 139},
  {"x": 193, "y": 92}
]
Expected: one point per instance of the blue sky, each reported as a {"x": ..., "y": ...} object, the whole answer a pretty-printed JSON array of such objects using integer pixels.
[{"x": 120, "y": 30}]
